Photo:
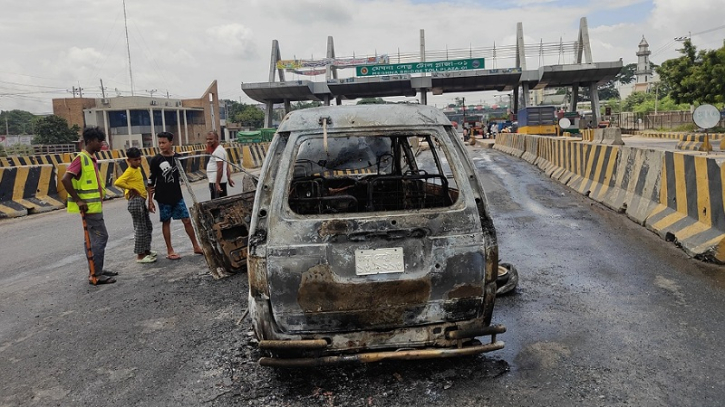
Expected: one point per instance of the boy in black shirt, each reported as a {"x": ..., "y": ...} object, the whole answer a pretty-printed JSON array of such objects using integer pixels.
[{"x": 164, "y": 185}]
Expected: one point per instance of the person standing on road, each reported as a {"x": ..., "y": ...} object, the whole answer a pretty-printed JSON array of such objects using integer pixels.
[
  {"x": 85, "y": 190},
  {"x": 135, "y": 191},
  {"x": 218, "y": 160},
  {"x": 165, "y": 187}
]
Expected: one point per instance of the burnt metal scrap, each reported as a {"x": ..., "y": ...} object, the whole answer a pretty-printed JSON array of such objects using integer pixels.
[{"x": 223, "y": 226}]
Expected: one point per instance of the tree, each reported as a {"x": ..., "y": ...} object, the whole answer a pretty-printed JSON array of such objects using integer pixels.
[
  {"x": 18, "y": 122},
  {"x": 712, "y": 73},
  {"x": 305, "y": 105},
  {"x": 696, "y": 76},
  {"x": 249, "y": 116},
  {"x": 371, "y": 101},
  {"x": 54, "y": 130},
  {"x": 627, "y": 75}
]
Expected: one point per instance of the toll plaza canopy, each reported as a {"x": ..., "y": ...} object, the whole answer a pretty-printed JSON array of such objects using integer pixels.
[{"x": 585, "y": 74}]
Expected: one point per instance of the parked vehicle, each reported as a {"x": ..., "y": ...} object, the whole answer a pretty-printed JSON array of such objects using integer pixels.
[
  {"x": 369, "y": 239},
  {"x": 539, "y": 120}
]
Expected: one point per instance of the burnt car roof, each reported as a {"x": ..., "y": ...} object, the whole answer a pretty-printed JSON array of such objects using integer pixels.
[{"x": 368, "y": 116}]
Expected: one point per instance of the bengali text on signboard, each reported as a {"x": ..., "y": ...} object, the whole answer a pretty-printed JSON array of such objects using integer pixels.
[{"x": 421, "y": 67}]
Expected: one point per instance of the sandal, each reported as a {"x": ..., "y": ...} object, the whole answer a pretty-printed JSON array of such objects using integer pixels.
[
  {"x": 173, "y": 256},
  {"x": 110, "y": 273},
  {"x": 146, "y": 259},
  {"x": 104, "y": 281}
]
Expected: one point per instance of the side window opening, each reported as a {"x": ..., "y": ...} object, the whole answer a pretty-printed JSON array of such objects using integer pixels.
[{"x": 355, "y": 174}]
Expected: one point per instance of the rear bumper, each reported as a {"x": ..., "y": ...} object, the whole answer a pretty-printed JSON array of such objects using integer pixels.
[
  {"x": 381, "y": 356},
  {"x": 460, "y": 341}
]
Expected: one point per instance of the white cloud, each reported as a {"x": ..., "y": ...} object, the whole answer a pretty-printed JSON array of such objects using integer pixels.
[
  {"x": 181, "y": 46},
  {"x": 232, "y": 40}
]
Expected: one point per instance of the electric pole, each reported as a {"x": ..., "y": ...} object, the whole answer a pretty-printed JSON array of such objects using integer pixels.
[{"x": 103, "y": 90}]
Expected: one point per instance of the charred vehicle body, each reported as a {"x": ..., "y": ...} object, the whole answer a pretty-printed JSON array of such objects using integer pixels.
[{"x": 369, "y": 239}]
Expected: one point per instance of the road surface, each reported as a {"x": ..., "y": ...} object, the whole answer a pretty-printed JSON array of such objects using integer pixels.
[{"x": 606, "y": 314}]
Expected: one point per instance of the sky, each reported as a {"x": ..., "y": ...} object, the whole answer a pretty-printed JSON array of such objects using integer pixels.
[{"x": 178, "y": 47}]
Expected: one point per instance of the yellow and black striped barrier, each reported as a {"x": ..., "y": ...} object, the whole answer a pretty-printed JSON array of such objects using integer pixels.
[
  {"x": 28, "y": 189},
  {"x": 636, "y": 186},
  {"x": 253, "y": 155},
  {"x": 16, "y": 161},
  {"x": 107, "y": 172},
  {"x": 694, "y": 142},
  {"x": 691, "y": 211},
  {"x": 234, "y": 154}
]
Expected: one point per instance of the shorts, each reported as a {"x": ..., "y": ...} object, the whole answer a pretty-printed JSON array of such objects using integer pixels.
[{"x": 176, "y": 211}]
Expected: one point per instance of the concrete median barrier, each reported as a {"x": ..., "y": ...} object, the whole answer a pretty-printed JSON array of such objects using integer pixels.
[
  {"x": 16, "y": 161},
  {"x": 694, "y": 142},
  {"x": 253, "y": 155},
  {"x": 234, "y": 154},
  {"x": 511, "y": 143},
  {"x": 691, "y": 211},
  {"x": 593, "y": 169},
  {"x": 9, "y": 208},
  {"x": 28, "y": 189},
  {"x": 531, "y": 148},
  {"x": 636, "y": 187},
  {"x": 52, "y": 159},
  {"x": 107, "y": 172}
]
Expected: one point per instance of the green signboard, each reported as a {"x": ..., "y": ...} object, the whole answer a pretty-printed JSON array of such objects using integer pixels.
[{"x": 420, "y": 67}]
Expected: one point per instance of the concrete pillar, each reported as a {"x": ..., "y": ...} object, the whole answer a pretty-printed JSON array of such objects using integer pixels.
[
  {"x": 424, "y": 96},
  {"x": 574, "y": 97},
  {"x": 594, "y": 97},
  {"x": 520, "y": 47},
  {"x": 268, "y": 112},
  {"x": 105, "y": 127},
  {"x": 515, "y": 108},
  {"x": 153, "y": 129},
  {"x": 128, "y": 121},
  {"x": 186, "y": 128},
  {"x": 583, "y": 45},
  {"x": 525, "y": 96},
  {"x": 178, "y": 124},
  {"x": 326, "y": 100},
  {"x": 287, "y": 107},
  {"x": 163, "y": 120}
]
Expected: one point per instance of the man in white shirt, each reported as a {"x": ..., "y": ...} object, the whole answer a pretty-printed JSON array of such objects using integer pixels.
[{"x": 218, "y": 167}]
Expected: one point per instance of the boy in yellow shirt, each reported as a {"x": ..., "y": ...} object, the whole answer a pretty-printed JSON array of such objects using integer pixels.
[{"x": 132, "y": 181}]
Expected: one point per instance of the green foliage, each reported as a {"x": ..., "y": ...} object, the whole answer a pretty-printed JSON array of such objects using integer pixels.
[
  {"x": 54, "y": 130},
  {"x": 19, "y": 122},
  {"x": 305, "y": 105},
  {"x": 627, "y": 75},
  {"x": 696, "y": 77},
  {"x": 250, "y": 117},
  {"x": 608, "y": 91},
  {"x": 644, "y": 102},
  {"x": 689, "y": 127},
  {"x": 246, "y": 115},
  {"x": 20, "y": 149},
  {"x": 3, "y": 153},
  {"x": 371, "y": 101}
]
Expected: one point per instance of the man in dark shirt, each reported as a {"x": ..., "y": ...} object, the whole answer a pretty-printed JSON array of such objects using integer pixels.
[{"x": 164, "y": 185}]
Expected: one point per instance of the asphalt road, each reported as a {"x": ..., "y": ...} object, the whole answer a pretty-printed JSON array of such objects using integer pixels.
[{"x": 606, "y": 314}]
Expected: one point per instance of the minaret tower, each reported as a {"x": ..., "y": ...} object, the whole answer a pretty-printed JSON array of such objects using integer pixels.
[{"x": 644, "y": 70}]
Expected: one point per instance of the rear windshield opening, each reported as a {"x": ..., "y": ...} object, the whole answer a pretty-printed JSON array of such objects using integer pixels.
[{"x": 353, "y": 174}]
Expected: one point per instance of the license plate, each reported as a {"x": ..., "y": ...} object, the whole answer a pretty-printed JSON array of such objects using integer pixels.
[{"x": 378, "y": 261}]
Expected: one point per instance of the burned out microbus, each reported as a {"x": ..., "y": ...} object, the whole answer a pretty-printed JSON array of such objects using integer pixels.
[{"x": 369, "y": 240}]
